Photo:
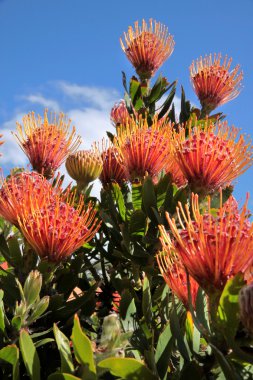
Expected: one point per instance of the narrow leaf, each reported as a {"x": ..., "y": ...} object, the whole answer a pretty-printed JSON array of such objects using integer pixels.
[
  {"x": 63, "y": 345},
  {"x": 83, "y": 351},
  {"x": 163, "y": 351},
  {"x": 127, "y": 368},
  {"x": 10, "y": 354},
  {"x": 30, "y": 356}
]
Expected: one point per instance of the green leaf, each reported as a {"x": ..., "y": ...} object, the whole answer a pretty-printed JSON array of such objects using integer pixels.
[
  {"x": 172, "y": 114},
  {"x": 127, "y": 369},
  {"x": 63, "y": 345},
  {"x": 137, "y": 195},
  {"x": 42, "y": 342},
  {"x": 39, "y": 308},
  {"x": 136, "y": 93},
  {"x": 225, "y": 364},
  {"x": 83, "y": 351},
  {"x": 62, "y": 376},
  {"x": 163, "y": 350},
  {"x": 161, "y": 189},
  {"x": 16, "y": 322},
  {"x": 15, "y": 252},
  {"x": 11, "y": 291},
  {"x": 137, "y": 223},
  {"x": 147, "y": 301},
  {"x": 124, "y": 81},
  {"x": 4, "y": 249},
  {"x": 30, "y": 356},
  {"x": 149, "y": 198},
  {"x": 119, "y": 199},
  {"x": 202, "y": 313},
  {"x": 2, "y": 314},
  {"x": 10, "y": 354},
  {"x": 177, "y": 333},
  {"x": 168, "y": 102},
  {"x": 185, "y": 108},
  {"x": 228, "y": 309},
  {"x": 157, "y": 91},
  {"x": 127, "y": 310}
]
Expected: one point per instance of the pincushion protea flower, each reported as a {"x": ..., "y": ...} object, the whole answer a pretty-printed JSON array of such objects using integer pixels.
[
  {"x": 46, "y": 144},
  {"x": 175, "y": 276},
  {"x": 213, "y": 83},
  {"x": 144, "y": 149},
  {"x": 26, "y": 190},
  {"x": 113, "y": 168},
  {"x": 147, "y": 47},
  {"x": 210, "y": 157},
  {"x": 57, "y": 229},
  {"x": 211, "y": 248},
  {"x": 84, "y": 166},
  {"x": 119, "y": 113}
]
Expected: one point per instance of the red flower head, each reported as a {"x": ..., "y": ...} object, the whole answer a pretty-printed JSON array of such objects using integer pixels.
[
  {"x": 211, "y": 248},
  {"x": 24, "y": 191},
  {"x": 175, "y": 276},
  {"x": 119, "y": 113},
  {"x": 46, "y": 144},
  {"x": 57, "y": 229},
  {"x": 213, "y": 83},
  {"x": 113, "y": 168},
  {"x": 144, "y": 149},
  {"x": 210, "y": 157},
  {"x": 147, "y": 47},
  {"x": 84, "y": 166}
]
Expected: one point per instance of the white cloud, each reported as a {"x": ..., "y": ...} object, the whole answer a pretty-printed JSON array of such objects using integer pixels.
[
  {"x": 102, "y": 98},
  {"x": 12, "y": 154},
  {"x": 44, "y": 102},
  {"x": 91, "y": 124}
]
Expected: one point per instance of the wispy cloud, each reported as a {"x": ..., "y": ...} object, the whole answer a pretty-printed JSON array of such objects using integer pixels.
[
  {"x": 42, "y": 101},
  {"x": 101, "y": 98},
  {"x": 91, "y": 124}
]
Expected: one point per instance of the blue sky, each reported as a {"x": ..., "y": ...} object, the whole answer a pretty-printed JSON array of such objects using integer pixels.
[{"x": 65, "y": 54}]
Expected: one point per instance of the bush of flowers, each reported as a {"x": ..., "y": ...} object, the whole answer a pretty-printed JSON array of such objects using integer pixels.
[{"x": 154, "y": 279}]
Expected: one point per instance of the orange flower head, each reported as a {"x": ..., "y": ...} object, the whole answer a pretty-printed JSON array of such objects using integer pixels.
[
  {"x": 144, "y": 149},
  {"x": 119, "y": 113},
  {"x": 84, "y": 166},
  {"x": 213, "y": 83},
  {"x": 113, "y": 168},
  {"x": 213, "y": 248},
  {"x": 175, "y": 276},
  {"x": 212, "y": 157},
  {"x": 46, "y": 144},
  {"x": 147, "y": 47},
  {"x": 58, "y": 229},
  {"x": 24, "y": 191}
]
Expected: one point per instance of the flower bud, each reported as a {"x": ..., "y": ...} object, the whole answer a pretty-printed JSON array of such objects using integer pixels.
[
  {"x": 84, "y": 166},
  {"x": 32, "y": 287}
]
